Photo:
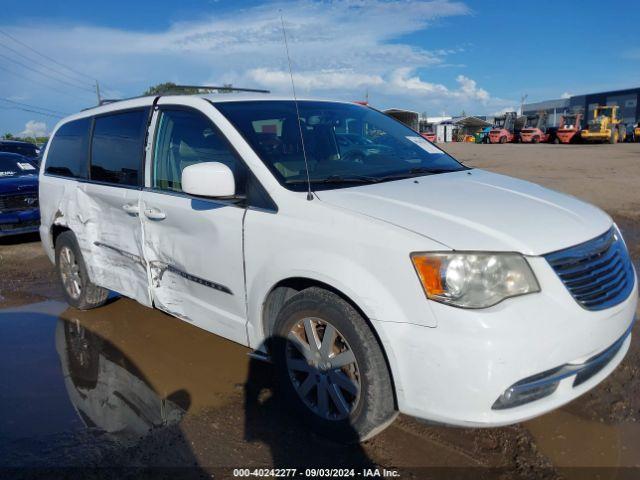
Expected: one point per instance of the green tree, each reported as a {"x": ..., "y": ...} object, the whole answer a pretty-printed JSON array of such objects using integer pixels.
[
  {"x": 170, "y": 87},
  {"x": 8, "y": 136}
]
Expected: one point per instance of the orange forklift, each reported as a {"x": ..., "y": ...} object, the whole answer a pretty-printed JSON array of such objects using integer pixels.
[
  {"x": 504, "y": 127},
  {"x": 569, "y": 128},
  {"x": 535, "y": 129}
]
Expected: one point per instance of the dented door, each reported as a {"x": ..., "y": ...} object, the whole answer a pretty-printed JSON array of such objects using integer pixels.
[
  {"x": 109, "y": 203},
  {"x": 193, "y": 246},
  {"x": 113, "y": 233}
]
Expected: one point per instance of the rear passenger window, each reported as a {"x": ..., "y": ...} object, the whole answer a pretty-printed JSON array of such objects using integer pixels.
[
  {"x": 116, "y": 147},
  {"x": 67, "y": 155},
  {"x": 185, "y": 138}
]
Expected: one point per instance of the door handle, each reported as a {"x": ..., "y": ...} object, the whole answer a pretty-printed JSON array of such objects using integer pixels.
[
  {"x": 131, "y": 208},
  {"x": 155, "y": 214}
]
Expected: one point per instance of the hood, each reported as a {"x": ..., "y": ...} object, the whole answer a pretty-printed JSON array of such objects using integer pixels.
[
  {"x": 477, "y": 210},
  {"x": 18, "y": 184}
]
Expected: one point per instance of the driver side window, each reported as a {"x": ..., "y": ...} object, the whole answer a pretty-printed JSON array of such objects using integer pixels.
[{"x": 186, "y": 137}]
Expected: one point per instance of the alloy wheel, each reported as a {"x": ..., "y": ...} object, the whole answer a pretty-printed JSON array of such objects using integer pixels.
[
  {"x": 70, "y": 273},
  {"x": 323, "y": 368}
]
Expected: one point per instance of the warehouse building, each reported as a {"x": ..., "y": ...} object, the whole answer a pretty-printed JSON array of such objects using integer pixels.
[{"x": 626, "y": 99}]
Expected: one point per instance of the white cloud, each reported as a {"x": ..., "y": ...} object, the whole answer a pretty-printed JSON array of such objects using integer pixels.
[
  {"x": 34, "y": 129},
  {"x": 339, "y": 49},
  {"x": 313, "y": 80},
  {"x": 565, "y": 95}
]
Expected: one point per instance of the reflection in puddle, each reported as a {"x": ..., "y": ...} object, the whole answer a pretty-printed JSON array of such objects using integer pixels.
[
  {"x": 107, "y": 391},
  {"x": 126, "y": 370}
]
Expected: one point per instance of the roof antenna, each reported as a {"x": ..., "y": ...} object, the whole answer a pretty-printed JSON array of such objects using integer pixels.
[{"x": 295, "y": 101}]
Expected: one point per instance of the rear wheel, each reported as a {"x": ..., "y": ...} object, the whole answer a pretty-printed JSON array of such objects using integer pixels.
[
  {"x": 331, "y": 368},
  {"x": 76, "y": 287}
]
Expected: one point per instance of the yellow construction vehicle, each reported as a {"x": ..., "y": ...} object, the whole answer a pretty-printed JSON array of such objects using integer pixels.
[{"x": 605, "y": 126}]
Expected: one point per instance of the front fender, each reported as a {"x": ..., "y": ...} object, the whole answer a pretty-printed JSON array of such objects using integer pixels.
[{"x": 367, "y": 260}]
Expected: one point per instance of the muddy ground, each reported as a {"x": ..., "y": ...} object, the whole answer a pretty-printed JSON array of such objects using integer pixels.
[{"x": 125, "y": 386}]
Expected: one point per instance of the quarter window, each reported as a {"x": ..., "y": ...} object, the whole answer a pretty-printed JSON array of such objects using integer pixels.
[
  {"x": 185, "y": 138},
  {"x": 67, "y": 155},
  {"x": 116, "y": 148}
]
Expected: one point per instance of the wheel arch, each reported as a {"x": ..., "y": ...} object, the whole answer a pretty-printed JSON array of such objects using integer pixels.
[
  {"x": 55, "y": 231},
  {"x": 286, "y": 288}
]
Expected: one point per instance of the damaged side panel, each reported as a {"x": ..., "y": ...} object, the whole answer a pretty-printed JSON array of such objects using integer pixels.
[
  {"x": 109, "y": 237},
  {"x": 195, "y": 262}
]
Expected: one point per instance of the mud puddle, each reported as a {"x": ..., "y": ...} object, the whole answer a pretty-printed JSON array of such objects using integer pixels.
[
  {"x": 126, "y": 386},
  {"x": 572, "y": 441}
]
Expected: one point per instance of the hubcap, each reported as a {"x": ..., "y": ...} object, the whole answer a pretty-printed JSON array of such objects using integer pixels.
[
  {"x": 323, "y": 369},
  {"x": 70, "y": 273}
]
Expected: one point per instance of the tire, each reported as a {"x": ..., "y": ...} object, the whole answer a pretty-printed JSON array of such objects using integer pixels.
[
  {"x": 359, "y": 399},
  {"x": 83, "y": 354},
  {"x": 78, "y": 291},
  {"x": 535, "y": 140},
  {"x": 556, "y": 140},
  {"x": 503, "y": 139}
]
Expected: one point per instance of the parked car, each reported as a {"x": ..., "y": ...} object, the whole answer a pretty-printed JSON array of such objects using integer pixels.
[
  {"x": 25, "y": 149},
  {"x": 402, "y": 282},
  {"x": 19, "y": 212}
]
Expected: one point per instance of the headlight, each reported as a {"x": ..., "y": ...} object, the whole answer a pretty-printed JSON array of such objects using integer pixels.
[{"x": 474, "y": 280}]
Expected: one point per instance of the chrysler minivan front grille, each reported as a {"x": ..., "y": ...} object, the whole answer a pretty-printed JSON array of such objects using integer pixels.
[{"x": 597, "y": 273}]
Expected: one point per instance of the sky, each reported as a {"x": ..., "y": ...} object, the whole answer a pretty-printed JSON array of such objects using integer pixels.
[{"x": 439, "y": 57}]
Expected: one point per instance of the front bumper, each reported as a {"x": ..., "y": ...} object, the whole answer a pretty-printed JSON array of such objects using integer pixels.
[
  {"x": 16, "y": 223},
  {"x": 456, "y": 372}
]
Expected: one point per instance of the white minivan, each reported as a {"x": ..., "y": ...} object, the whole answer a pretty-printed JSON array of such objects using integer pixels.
[{"x": 378, "y": 273}]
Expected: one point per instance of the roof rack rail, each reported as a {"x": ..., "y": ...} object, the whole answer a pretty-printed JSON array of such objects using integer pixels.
[
  {"x": 176, "y": 89},
  {"x": 224, "y": 88}
]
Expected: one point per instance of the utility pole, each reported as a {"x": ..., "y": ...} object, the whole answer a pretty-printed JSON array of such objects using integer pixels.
[{"x": 98, "y": 92}]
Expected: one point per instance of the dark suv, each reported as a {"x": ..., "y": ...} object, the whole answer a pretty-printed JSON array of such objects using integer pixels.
[
  {"x": 25, "y": 149},
  {"x": 19, "y": 211}
]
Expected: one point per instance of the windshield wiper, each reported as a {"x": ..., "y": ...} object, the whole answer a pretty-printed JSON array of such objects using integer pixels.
[
  {"x": 339, "y": 179},
  {"x": 414, "y": 172}
]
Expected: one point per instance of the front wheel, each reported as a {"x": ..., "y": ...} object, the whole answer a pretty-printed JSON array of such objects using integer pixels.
[
  {"x": 503, "y": 139},
  {"x": 331, "y": 368},
  {"x": 76, "y": 286}
]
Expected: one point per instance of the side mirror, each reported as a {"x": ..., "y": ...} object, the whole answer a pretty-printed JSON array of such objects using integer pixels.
[{"x": 208, "y": 179}]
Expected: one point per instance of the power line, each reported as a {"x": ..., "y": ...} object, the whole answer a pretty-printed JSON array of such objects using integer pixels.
[
  {"x": 44, "y": 74},
  {"x": 32, "y": 106},
  {"x": 46, "y": 56},
  {"x": 37, "y": 62},
  {"x": 36, "y": 112},
  {"x": 37, "y": 82}
]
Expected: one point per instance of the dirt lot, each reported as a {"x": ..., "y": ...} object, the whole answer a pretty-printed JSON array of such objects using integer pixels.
[{"x": 207, "y": 405}]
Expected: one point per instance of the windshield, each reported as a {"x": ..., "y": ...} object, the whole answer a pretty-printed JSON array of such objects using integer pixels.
[
  {"x": 14, "y": 165},
  {"x": 532, "y": 122},
  {"x": 344, "y": 143},
  {"x": 25, "y": 149}
]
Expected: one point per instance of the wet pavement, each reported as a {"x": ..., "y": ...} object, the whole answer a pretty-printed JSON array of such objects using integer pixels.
[{"x": 124, "y": 387}]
